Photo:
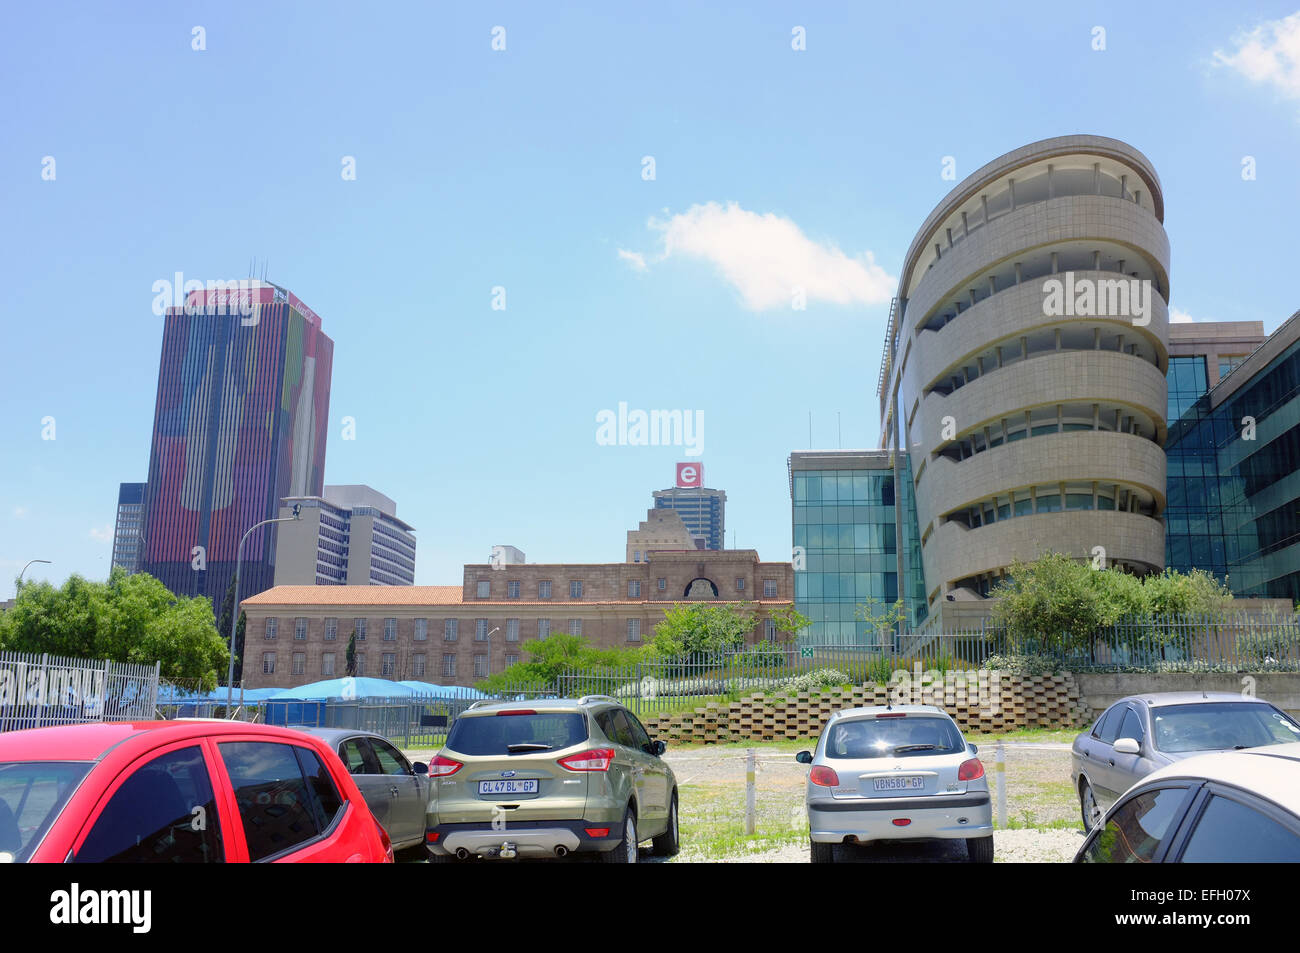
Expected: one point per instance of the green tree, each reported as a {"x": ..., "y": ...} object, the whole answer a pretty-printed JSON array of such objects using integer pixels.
[
  {"x": 557, "y": 654},
  {"x": 350, "y": 659},
  {"x": 129, "y": 618},
  {"x": 789, "y": 620},
  {"x": 695, "y": 627},
  {"x": 885, "y": 620},
  {"x": 223, "y": 627}
]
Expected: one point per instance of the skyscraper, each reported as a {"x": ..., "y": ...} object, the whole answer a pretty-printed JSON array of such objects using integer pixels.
[
  {"x": 239, "y": 424},
  {"x": 702, "y": 510},
  {"x": 128, "y": 532}
]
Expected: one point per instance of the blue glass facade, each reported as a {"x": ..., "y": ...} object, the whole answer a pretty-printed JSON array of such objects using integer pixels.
[
  {"x": 844, "y": 523},
  {"x": 1234, "y": 481}
]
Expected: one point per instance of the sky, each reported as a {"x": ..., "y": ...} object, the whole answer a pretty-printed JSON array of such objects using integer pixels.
[{"x": 640, "y": 186}]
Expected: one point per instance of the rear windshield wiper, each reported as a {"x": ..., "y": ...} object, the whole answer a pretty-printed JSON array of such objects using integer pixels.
[
  {"x": 901, "y": 748},
  {"x": 528, "y": 746}
]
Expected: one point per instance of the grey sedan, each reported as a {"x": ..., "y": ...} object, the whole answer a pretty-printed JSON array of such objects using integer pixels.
[
  {"x": 1143, "y": 733},
  {"x": 396, "y": 790}
]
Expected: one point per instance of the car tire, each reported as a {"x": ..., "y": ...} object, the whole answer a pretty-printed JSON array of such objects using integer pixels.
[
  {"x": 980, "y": 849},
  {"x": 625, "y": 852},
  {"x": 1089, "y": 809},
  {"x": 667, "y": 844},
  {"x": 821, "y": 853}
]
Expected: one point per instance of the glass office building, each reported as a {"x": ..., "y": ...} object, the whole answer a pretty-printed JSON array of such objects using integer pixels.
[
  {"x": 1234, "y": 472},
  {"x": 846, "y": 541}
]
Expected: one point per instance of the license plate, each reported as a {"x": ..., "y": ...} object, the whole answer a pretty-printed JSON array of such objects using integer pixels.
[
  {"x": 899, "y": 784},
  {"x": 507, "y": 787}
]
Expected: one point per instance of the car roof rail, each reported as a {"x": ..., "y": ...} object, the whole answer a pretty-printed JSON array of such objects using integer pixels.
[
  {"x": 597, "y": 698},
  {"x": 482, "y": 701}
]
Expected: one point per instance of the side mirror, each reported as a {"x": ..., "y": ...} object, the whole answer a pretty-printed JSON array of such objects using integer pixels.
[
  {"x": 659, "y": 747},
  {"x": 1127, "y": 746},
  {"x": 974, "y": 749},
  {"x": 804, "y": 757},
  {"x": 419, "y": 767}
]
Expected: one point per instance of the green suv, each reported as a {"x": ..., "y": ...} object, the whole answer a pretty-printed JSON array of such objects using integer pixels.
[{"x": 548, "y": 778}]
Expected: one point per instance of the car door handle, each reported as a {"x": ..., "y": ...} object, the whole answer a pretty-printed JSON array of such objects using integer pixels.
[
  {"x": 1112, "y": 762},
  {"x": 393, "y": 789}
]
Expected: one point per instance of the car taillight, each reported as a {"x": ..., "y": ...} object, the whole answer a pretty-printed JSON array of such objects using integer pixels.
[
  {"x": 517, "y": 711},
  {"x": 386, "y": 841},
  {"x": 892, "y": 714},
  {"x": 902, "y": 821},
  {"x": 597, "y": 831},
  {"x": 431, "y": 837},
  {"x": 595, "y": 759},
  {"x": 971, "y": 770},
  {"x": 824, "y": 776},
  {"x": 441, "y": 767}
]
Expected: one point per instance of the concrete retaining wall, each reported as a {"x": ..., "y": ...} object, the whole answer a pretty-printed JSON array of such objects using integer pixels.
[{"x": 1099, "y": 692}]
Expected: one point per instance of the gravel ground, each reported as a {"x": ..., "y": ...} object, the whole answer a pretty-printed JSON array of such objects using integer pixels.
[{"x": 1012, "y": 847}]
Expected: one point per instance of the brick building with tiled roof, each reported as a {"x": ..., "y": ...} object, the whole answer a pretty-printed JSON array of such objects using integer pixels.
[{"x": 457, "y": 635}]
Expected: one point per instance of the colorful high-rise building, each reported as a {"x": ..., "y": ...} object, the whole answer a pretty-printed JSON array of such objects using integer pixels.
[{"x": 239, "y": 425}]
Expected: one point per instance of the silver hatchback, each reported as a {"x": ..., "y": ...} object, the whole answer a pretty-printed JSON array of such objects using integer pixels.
[{"x": 896, "y": 773}]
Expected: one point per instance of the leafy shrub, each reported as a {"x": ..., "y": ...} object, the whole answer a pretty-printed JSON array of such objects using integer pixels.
[{"x": 1026, "y": 665}]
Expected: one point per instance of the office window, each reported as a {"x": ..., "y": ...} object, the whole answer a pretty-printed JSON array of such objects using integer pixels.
[
  {"x": 327, "y": 663},
  {"x": 575, "y": 627},
  {"x": 512, "y": 660},
  {"x": 512, "y": 630},
  {"x": 480, "y": 666},
  {"x": 575, "y": 589},
  {"x": 450, "y": 629},
  {"x": 663, "y": 583},
  {"x": 361, "y": 629},
  {"x": 636, "y": 555},
  {"x": 449, "y": 665},
  {"x": 271, "y": 626},
  {"x": 389, "y": 664},
  {"x": 390, "y": 630},
  {"x": 268, "y": 663},
  {"x": 300, "y": 628},
  {"x": 512, "y": 589},
  {"x": 544, "y": 590},
  {"x": 484, "y": 588},
  {"x": 634, "y": 588},
  {"x": 769, "y": 630},
  {"x": 299, "y": 663},
  {"x": 417, "y": 665},
  {"x": 769, "y": 588},
  {"x": 331, "y": 630},
  {"x": 361, "y": 663},
  {"x": 740, "y": 583},
  {"x": 634, "y": 630},
  {"x": 480, "y": 630},
  {"x": 421, "y": 629},
  {"x": 543, "y": 628}
]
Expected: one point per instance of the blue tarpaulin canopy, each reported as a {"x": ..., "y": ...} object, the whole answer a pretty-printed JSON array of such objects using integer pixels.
[
  {"x": 443, "y": 691},
  {"x": 362, "y": 687}
]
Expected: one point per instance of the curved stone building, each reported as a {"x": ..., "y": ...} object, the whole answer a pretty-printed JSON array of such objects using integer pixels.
[{"x": 1024, "y": 367}]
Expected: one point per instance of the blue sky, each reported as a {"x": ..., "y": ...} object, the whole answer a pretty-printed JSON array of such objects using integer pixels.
[{"x": 523, "y": 168}]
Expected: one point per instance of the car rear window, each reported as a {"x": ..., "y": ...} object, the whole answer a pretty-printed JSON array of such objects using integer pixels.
[
  {"x": 493, "y": 734},
  {"x": 1213, "y": 726},
  {"x": 32, "y": 793},
  {"x": 894, "y": 737}
]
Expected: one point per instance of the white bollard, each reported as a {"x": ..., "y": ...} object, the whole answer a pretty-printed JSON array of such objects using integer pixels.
[
  {"x": 749, "y": 790},
  {"x": 1000, "y": 769}
]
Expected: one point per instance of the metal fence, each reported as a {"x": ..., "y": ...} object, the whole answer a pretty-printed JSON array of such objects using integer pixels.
[
  {"x": 410, "y": 721},
  {"x": 37, "y": 691},
  {"x": 1228, "y": 643}
]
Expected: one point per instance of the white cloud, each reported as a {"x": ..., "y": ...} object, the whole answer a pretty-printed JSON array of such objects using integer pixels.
[
  {"x": 634, "y": 257},
  {"x": 20, "y": 512},
  {"x": 103, "y": 534},
  {"x": 1179, "y": 317},
  {"x": 1268, "y": 54},
  {"x": 768, "y": 259}
]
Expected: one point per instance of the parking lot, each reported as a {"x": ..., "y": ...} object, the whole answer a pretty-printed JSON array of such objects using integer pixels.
[{"x": 1043, "y": 824}]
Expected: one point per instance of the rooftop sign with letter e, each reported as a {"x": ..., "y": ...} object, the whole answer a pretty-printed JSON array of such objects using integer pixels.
[{"x": 690, "y": 475}]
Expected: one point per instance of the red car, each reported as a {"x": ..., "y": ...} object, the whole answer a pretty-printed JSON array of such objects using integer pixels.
[{"x": 178, "y": 792}]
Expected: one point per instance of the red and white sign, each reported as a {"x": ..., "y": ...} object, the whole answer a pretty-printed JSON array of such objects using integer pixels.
[{"x": 690, "y": 475}]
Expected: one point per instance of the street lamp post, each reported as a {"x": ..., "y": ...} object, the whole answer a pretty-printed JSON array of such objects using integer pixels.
[
  {"x": 24, "y": 569},
  {"x": 234, "y": 610}
]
